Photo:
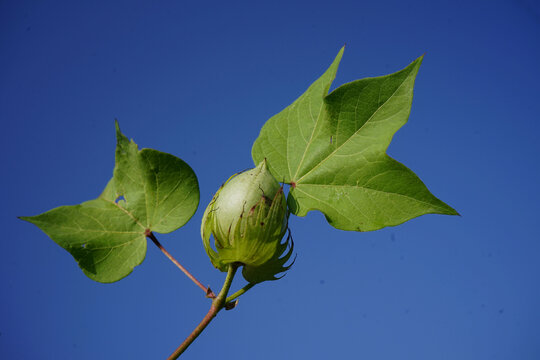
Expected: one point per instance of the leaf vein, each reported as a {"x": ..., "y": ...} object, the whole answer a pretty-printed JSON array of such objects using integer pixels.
[{"x": 355, "y": 133}]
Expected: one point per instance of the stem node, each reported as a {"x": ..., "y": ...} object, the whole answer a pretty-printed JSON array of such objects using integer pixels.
[
  {"x": 217, "y": 304},
  {"x": 231, "y": 305}
]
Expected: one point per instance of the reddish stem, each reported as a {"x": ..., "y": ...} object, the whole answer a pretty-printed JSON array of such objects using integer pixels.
[
  {"x": 217, "y": 304},
  {"x": 209, "y": 293}
]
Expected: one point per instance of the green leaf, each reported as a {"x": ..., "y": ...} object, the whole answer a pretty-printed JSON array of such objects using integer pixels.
[
  {"x": 331, "y": 148},
  {"x": 102, "y": 238},
  {"x": 149, "y": 191},
  {"x": 160, "y": 190}
]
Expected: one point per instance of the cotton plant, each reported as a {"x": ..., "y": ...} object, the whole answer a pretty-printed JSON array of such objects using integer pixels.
[{"x": 328, "y": 148}]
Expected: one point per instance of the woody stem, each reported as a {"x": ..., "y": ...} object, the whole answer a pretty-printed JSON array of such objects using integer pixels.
[{"x": 217, "y": 304}]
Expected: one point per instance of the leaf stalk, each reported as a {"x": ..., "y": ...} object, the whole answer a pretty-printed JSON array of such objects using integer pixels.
[{"x": 209, "y": 293}]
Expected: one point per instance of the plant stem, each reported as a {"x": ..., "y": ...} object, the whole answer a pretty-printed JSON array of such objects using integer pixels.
[
  {"x": 217, "y": 304},
  {"x": 240, "y": 292},
  {"x": 209, "y": 293}
]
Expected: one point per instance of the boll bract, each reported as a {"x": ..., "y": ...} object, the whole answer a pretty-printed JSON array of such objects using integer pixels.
[{"x": 248, "y": 219}]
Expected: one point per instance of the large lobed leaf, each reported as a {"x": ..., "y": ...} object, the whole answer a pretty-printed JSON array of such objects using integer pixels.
[
  {"x": 331, "y": 148},
  {"x": 149, "y": 191}
]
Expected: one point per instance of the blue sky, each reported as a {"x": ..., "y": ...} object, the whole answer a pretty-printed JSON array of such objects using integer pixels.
[{"x": 198, "y": 80}]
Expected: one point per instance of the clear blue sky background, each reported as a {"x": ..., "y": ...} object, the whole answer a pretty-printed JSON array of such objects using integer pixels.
[{"x": 198, "y": 80}]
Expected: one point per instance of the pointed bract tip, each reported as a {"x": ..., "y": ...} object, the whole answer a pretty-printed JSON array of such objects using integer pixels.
[{"x": 263, "y": 164}]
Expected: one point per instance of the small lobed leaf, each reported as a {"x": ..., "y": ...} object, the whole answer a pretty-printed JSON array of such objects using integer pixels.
[
  {"x": 149, "y": 191},
  {"x": 331, "y": 148},
  {"x": 104, "y": 240},
  {"x": 160, "y": 190}
]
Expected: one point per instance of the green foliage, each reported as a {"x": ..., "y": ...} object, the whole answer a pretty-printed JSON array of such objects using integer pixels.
[
  {"x": 149, "y": 191},
  {"x": 331, "y": 148}
]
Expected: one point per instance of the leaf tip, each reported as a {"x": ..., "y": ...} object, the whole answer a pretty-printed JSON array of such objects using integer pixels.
[
  {"x": 34, "y": 220},
  {"x": 448, "y": 210},
  {"x": 420, "y": 59},
  {"x": 340, "y": 53},
  {"x": 117, "y": 128},
  {"x": 120, "y": 138},
  {"x": 26, "y": 218}
]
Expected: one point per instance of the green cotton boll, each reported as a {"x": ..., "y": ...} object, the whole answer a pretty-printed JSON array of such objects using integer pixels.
[{"x": 248, "y": 219}]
